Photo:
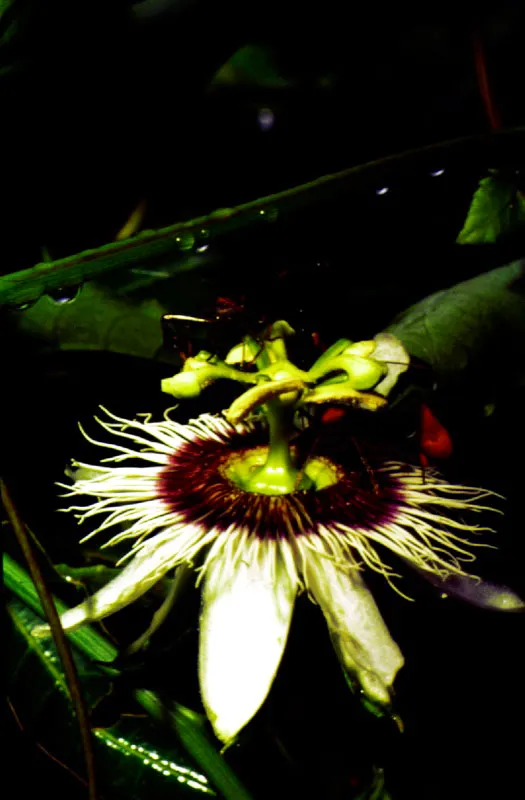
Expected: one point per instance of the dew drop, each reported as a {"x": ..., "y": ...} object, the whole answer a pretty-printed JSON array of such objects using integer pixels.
[
  {"x": 61, "y": 296},
  {"x": 265, "y": 118},
  {"x": 185, "y": 241},
  {"x": 268, "y": 214}
]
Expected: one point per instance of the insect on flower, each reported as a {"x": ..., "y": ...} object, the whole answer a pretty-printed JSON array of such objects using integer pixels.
[{"x": 231, "y": 496}]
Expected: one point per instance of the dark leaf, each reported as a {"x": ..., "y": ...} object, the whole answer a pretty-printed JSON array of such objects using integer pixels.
[
  {"x": 472, "y": 331},
  {"x": 252, "y": 65},
  {"x": 497, "y": 208}
]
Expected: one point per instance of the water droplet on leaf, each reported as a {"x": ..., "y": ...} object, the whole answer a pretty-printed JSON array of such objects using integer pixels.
[
  {"x": 61, "y": 296},
  {"x": 185, "y": 241}
]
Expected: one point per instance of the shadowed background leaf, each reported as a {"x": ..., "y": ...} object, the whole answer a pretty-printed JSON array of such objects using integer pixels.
[
  {"x": 497, "y": 209},
  {"x": 473, "y": 332}
]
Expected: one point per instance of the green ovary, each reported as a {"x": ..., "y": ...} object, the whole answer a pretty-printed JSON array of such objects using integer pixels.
[{"x": 254, "y": 472}]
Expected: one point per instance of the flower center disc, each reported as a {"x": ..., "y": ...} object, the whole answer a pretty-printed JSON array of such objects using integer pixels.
[{"x": 251, "y": 472}]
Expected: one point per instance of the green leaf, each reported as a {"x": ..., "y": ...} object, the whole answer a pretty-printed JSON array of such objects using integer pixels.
[
  {"x": 378, "y": 789},
  {"x": 11, "y": 25},
  {"x": 497, "y": 208},
  {"x": 252, "y": 65},
  {"x": 134, "y": 759},
  {"x": 96, "y": 319},
  {"x": 473, "y": 331}
]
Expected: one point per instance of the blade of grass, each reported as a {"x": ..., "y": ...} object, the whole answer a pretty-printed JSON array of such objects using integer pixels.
[
  {"x": 61, "y": 643},
  {"x": 188, "y": 725}
]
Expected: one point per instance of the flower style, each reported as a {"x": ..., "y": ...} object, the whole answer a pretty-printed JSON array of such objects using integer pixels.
[{"x": 259, "y": 527}]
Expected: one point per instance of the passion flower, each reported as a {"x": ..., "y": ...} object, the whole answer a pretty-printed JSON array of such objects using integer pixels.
[{"x": 228, "y": 496}]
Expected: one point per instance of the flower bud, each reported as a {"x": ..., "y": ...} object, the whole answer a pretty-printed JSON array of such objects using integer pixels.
[
  {"x": 364, "y": 349},
  {"x": 363, "y": 373},
  {"x": 185, "y": 385}
]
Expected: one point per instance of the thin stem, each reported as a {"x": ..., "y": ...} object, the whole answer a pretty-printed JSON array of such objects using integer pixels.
[
  {"x": 275, "y": 344},
  {"x": 187, "y": 724},
  {"x": 41, "y": 747},
  {"x": 62, "y": 645},
  {"x": 279, "y": 474},
  {"x": 28, "y": 284},
  {"x": 279, "y": 422}
]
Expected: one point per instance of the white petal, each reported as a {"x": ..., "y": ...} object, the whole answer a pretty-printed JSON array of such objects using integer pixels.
[
  {"x": 147, "y": 567},
  {"x": 358, "y": 632},
  {"x": 244, "y": 625}
]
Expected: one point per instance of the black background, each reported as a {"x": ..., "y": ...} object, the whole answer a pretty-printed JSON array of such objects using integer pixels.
[{"x": 103, "y": 110}]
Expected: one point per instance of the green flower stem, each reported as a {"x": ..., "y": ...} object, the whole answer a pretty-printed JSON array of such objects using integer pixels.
[
  {"x": 280, "y": 426},
  {"x": 207, "y": 373},
  {"x": 279, "y": 474},
  {"x": 262, "y": 359},
  {"x": 275, "y": 343},
  {"x": 198, "y": 375}
]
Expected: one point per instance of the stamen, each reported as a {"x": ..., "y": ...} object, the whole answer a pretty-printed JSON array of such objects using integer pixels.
[{"x": 187, "y": 498}]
